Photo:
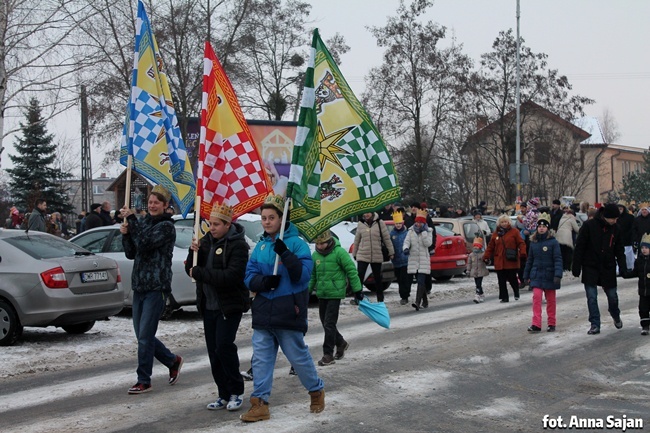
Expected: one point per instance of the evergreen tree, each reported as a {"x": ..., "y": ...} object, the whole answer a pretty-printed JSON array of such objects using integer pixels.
[{"x": 33, "y": 175}]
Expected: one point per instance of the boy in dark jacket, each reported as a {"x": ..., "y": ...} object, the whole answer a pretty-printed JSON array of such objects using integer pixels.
[
  {"x": 222, "y": 298},
  {"x": 642, "y": 270},
  {"x": 599, "y": 248}
]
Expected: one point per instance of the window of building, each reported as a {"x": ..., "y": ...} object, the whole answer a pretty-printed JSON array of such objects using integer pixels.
[
  {"x": 98, "y": 189},
  {"x": 626, "y": 168}
]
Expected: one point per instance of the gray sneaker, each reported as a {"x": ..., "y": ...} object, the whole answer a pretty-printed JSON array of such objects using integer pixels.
[{"x": 618, "y": 324}]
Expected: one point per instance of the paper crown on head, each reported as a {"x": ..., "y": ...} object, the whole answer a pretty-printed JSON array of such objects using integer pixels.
[
  {"x": 398, "y": 217},
  {"x": 323, "y": 237},
  {"x": 544, "y": 219},
  {"x": 644, "y": 205},
  {"x": 162, "y": 191},
  {"x": 421, "y": 216},
  {"x": 222, "y": 212},
  {"x": 276, "y": 200},
  {"x": 645, "y": 241},
  {"x": 478, "y": 243}
]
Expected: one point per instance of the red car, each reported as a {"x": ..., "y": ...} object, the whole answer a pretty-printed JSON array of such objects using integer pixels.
[{"x": 450, "y": 258}]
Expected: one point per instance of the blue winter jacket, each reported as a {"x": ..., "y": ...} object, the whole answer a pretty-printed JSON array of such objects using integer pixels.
[
  {"x": 397, "y": 237},
  {"x": 544, "y": 261},
  {"x": 286, "y": 306}
]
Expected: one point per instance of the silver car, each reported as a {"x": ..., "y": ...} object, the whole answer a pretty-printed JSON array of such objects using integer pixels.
[
  {"x": 47, "y": 281},
  {"x": 107, "y": 241}
]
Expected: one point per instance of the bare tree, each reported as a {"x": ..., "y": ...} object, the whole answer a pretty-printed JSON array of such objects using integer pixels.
[
  {"x": 609, "y": 127},
  {"x": 415, "y": 94},
  {"x": 37, "y": 55}
]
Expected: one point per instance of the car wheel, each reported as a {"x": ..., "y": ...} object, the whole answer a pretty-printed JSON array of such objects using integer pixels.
[
  {"x": 79, "y": 328},
  {"x": 443, "y": 278},
  {"x": 10, "y": 328}
]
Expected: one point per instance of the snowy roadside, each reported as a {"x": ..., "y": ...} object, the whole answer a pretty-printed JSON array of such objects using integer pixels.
[{"x": 52, "y": 349}]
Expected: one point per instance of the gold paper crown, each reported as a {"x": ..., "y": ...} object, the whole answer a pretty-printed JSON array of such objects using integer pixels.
[
  {"x": 323, "y": 237},
  {"x": 222, "y": 212},
  {"x": 398, "y": 217},
  {"x": 645, "y": 204},
  {"x": 163, "y": 191},
  {"x": 422, "y": 213},
  {"x": 276, "y": 201},
  {"x": 544, "y": 217}
]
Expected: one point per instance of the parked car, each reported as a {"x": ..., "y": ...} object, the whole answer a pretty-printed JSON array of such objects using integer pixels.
[
  {"x": 107, "y": 241},
  {"x": 450, "y": 257},
  {"x": 491, "y": 221},
  {"x": 47, "y": 281},
  {"x": 461, "y": 227}
]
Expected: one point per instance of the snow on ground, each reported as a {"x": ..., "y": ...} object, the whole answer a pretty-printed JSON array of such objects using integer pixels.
[{"x": 52, "y": 349}]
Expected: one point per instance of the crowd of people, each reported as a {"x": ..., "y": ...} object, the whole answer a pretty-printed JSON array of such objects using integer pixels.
[{"x": 535, "y": 249}]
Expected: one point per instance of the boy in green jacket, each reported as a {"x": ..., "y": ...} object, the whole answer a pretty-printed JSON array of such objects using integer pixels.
[{"x": 333, "y": 268}]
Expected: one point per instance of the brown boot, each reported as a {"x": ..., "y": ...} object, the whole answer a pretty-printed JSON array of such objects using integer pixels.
[
  {"x": 259, "y": 411},
  {"x": 317, "y": 401}
]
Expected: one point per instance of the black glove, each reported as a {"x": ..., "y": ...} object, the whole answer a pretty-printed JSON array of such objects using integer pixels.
[
  {"x": 556, "y": 280},
  {"x": 576, "y": 273},
  {"x": 280, "y": 247},
  {"x": 358, "y": 295},
  {"x": 271, "y": 282},
  {"x": 406, "y": 251}
]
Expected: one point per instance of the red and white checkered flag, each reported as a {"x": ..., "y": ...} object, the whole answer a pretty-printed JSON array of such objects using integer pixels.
[{"x": 230, "y": 167}]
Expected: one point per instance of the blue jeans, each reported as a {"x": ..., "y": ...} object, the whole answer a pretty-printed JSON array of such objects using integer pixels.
[
  {"x": 592, "y": 304},
  {"x": 220, "y": 334},
  {"x": 147, "y": 309},
  {"x": 265, "y": 352}
]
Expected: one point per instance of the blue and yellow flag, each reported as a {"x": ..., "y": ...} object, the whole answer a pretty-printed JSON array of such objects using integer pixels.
[
  {"x": 340, "y": 165},
  {"x": 151, "y": 132}
]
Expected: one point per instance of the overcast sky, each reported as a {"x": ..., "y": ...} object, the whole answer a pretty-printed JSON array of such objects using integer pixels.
[{"x": 600, "y": 45}]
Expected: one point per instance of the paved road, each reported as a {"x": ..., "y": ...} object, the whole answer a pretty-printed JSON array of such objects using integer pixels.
[{"x": 455, "y": 367}]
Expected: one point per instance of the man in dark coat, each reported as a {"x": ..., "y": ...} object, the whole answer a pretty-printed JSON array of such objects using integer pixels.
[
  {"x": 93, "y": 219},
  {"x": 599, "y": 248},
  {"x": 625, "y": 223}
]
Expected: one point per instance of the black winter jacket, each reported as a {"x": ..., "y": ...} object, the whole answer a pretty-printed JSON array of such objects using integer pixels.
[
  {"x": 222, "y": 276},
  {"x": 599, "y": 248},
  {"x": 150, "y": 242},
  {"x": 640, "y": 227},
  {"x": 642, "y": 270},
  {"x": 625, "y": 223}
]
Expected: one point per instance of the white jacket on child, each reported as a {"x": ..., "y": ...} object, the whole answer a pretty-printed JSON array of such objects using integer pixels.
[{"x": 418, "y": 245}]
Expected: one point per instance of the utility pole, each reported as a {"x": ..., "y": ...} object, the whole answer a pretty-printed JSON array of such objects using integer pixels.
[
  {"x": 518, "y": 102},
  {"x": 86, "y": 171}
]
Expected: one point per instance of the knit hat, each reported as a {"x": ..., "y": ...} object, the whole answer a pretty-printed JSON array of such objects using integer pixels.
[
  {"x": 478, "y": 243},
  {"x": 544, "y": 219},
  {"x": 423, "y": 205},
  {"x": 222, "y": 212},
  {"x": 556, "y": 201},
  {"x": 323, "y": 237},
  {"x": 645, "y": 241},
  {"x": 610, "y": 210},
  {"x": 534, "y": 202},
  {"x": 421, "y": 216},
  {"x": 94, "y": 206},
  {"x": 398, "y": 217}
]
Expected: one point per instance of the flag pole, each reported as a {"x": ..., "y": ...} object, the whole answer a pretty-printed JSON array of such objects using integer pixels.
[
  {"x": 281, "y": 235},
  {"x": 127, "y": 187}
]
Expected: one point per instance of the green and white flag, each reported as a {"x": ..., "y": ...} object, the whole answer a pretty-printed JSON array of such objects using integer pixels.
[{"x": 340, "y": 165}]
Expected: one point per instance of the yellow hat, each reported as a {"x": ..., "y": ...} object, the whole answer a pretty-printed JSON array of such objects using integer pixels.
[
  {"x": 421, "y": 216},
  {"x": 645, "y": 241},
  {"x": 222, "y": 212},
  {"x": 544, "y": 219},
  {"x": 162, "y": 191},
  {"x": 276, "y": 201},
  {"x": 398, "y": 217},
  {"x": 323, "y": 237}
]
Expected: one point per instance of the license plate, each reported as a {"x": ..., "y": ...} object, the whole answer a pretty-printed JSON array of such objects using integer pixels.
[
  {"x": 460, "y": 262},
  {"x": 91, "y": 277}
]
